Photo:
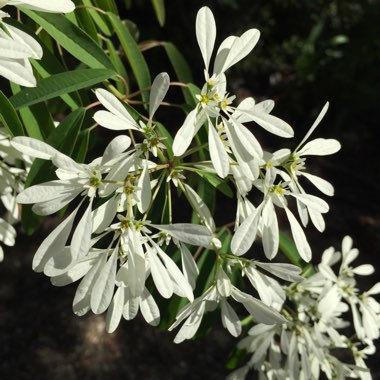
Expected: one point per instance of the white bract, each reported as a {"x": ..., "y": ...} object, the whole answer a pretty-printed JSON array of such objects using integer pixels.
[{"x": 56, "y": 6}]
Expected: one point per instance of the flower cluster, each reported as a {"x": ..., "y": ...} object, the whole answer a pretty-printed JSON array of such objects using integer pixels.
[
  {"x": 112, "y": 243},
  {"x": 121, "y": 242},
  {"x": 17, "y": 47},
  {"x": 12, "y": 177},
  {"x": 314, "y": 339}
]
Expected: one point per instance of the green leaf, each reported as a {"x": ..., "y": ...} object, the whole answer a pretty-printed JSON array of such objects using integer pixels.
[
  {"x": 98, "y": 18},
  {"x": 87, "y": 23},
  {"x": 36, "y": 119},
  {"x": 60, "y": 84},
  {"x": 107, "y": 5},
  {"x": 118, "y": 64},
  {"x": 181, "y": 69},
  {"x": 236, "y": 358},
  {"x": 9, "y": 117},
  {"x": 168, "y": 141},
  {"x": 216, "y": 182},
  {"x": 159, "y": 9},
  {"x": 134, "y": 55},
  {"x": 63, "y": 138},
  {"x": 81, "y": 146},
  {"x": 71, "y": 38}
]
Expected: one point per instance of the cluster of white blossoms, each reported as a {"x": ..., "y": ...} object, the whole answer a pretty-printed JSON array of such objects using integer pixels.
[
  {"x": 17, "y": 47},
  {"x": 124, "y": 262},
  {"x": 314, "y": 340},
  {"x": 14, "y": 167}
]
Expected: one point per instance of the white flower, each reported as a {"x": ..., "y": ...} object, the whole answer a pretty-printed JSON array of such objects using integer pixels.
[
  {"x": 118, "y": 118},
  {"x": 264, "y": 220},
  {"x": 226, "y": 132}
]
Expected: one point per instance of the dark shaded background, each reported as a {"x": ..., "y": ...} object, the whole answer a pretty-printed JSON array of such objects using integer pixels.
[{"x": 309, "y": 52}]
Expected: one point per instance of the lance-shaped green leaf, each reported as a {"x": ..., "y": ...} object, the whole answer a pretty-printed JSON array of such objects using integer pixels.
[
  {"x": 98, "y": 18},
  {"x": 9, "y": 117},
  {"x": 134, "y": 55},
  {"x": 37, "y": 119},
  {"x": 159, "y": 9},
  {"x": 72, "y": 38},
  {"x": 181, "y": 69},
  {"x": 60, "y": 84}
]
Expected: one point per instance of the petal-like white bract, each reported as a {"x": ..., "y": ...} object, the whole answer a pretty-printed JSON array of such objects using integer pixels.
[
  {"x": 222, "y": 53},
  {"x": 270, "y": 231},
  {"x": 82, "y": 298},
  {"x": 158, "y": 91},
  {"x": 160, "y": 275},
  {"x": 102, "y": 292},
  {"x": 200, "y": 207},
  {"x": 33, "y": 147},
  {"x": 131, "y": 305},
  {"x": 218, "y": 153},
  {"x": 240, "y": 48},
  {"x": 189, "y": 266},
  {"x": 149, "y": 308},
  {"x": 116, "y": 108},
  {"x": 44, "y": 192},
  {"x": 230, "y": 319},
  {"x": 320, "y": 147},
  {"x": 300, "y": 240},
  {"x": 56, "y": 6},
  {"x": 185, "y": 134},
  {"x": 287, "y": 272},
  {"x": 18, "y": 71},
  {"x": 144, "y": 194},
  {"x": 258, "y": 309},
  {"x": 81, "y": 240},
  {"x": 238, "y": 141},
  {"x": 110, "y": 121},
  {"x": 12, "y": 50},
  {"x": 205, "y": 29},
  {"x": 223, "y": 283},
  {"x": 322, "y": 185},
  {"x": 176, "y": 275},
  {"x": 315, "y": 125},
  {"x": 117, "y": 146},
  {"x": 7, "y": 233},
  {"x": 115, "y": 310},
  {"x": 34, "y": 48},
  {"x": 54, "y": 243},
  {"x": 187, "y": 233},
  {"x": 136, "y": 264},
  {"x": 312, "y": 202},
  {"x": 269, "y": 122},
  {"x": 191, "y": 325},
  {"x": 245, "y": 235},
  {"x": 75, "y": 272}
]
